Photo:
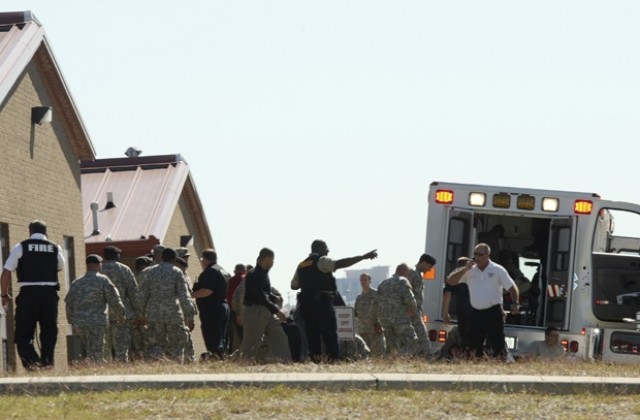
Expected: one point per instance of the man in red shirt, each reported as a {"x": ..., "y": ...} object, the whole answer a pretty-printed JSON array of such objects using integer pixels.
[{"x": 234, "y": 332}]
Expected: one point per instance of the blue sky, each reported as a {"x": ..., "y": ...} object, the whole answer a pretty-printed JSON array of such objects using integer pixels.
[{"x": 329, "y": 119}]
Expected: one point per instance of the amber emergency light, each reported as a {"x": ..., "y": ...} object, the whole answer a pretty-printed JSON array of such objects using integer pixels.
[
  {"x": 526, "y": 202},
  {"x": 444, "y": 196},
  {"x": 583, "y": 207},
  {"x": 502, "y": 200}
]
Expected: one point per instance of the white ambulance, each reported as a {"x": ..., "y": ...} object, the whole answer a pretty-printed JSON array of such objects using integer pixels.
[{"x": 575, "y": 257}]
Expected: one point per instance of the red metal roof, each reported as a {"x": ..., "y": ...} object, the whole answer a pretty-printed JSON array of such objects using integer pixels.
[{"x": 146, "y": 191}]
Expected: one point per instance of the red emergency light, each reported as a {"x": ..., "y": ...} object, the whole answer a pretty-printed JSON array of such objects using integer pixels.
[{"x": 574, "y": 347}]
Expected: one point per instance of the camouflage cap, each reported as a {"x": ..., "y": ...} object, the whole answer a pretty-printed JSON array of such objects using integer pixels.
[
  {"x": 157, "y": 249},
  {"x": 144, "y": 260},
  {"x": 183, "y": 252}
]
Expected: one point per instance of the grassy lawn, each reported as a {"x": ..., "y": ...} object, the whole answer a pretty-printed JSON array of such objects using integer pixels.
[
  {"x": 397, "y": 365},
  {"x": 283, "y": 402},
  {"x": 280, "y": 402}
]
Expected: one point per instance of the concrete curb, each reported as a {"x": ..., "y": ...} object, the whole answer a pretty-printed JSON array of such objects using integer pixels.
[{"x": 328, "y": 381}]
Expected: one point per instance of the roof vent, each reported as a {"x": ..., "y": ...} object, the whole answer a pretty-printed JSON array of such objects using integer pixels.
[
  {"x": 110, "y": 203},
  {"x": 94, "y": 211},
  {"x": 133, "y": 152}
]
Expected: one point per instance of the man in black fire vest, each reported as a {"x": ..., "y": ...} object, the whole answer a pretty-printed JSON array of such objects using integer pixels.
[
  {"x": 318, "y": 294},
  {"x": 37, "y": 262}
]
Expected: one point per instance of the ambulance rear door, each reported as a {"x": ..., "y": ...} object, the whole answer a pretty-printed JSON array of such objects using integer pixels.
[{"x": 559, "y": 272}]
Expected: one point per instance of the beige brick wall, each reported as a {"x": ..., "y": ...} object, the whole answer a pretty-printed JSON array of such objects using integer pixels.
[
  {"x": 182, "y": 224},
  {"x": 40, "y": 180}
]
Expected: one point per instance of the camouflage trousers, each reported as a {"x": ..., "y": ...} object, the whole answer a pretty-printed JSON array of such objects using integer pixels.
[
  {"x": 375, "y": 341},
  {"x": 354, "y": 350},
  {"x": 189, "y": 351},
  {"x": 166, "y": 339},
  {"x": 138, "y": 342},
  {"x": 91, "y": 341},
  {"x": 401, "y": 338},
  {"x": 424, "y": 346},
  {"x": 118, "y": 341}
]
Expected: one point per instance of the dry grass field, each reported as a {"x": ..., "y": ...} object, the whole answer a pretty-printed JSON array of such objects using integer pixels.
[
  {"x": 388, "y": 365},
  {"x": 289, "y": 403},
  {"x": 284, "y": 403}
]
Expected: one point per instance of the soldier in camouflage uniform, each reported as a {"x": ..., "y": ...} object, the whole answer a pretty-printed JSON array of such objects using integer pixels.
[
  {"x": 118, "y": 337},
  {"x": 181, "y": 263},
  {"x": 425, "y": 264},
  {"x": 154, "y": 258},
  {"x": 393, "y": 309},
  {"x": 166, "y": 308},
  {"x": 86, "y": 307},
  {"x": 365, "y": 327},
  {"x": 137, "y": 334}
]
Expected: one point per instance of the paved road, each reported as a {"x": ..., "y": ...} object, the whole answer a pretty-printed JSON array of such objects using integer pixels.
[{"x": 331, "y": 381}]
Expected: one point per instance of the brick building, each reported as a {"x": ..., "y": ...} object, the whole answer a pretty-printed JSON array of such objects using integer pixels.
[{"x": 40, "y": 168}]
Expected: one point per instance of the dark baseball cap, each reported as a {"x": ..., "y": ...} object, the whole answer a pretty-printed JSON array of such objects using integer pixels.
[
  {"x": 93, "y": 259},
  {"x": 111, "y": 251},
  {"x": 169, "y": 254}
]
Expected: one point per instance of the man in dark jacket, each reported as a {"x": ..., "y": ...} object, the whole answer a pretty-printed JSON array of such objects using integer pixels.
[
  {"x": 318, "y": 292},
  {"x": 210, "y": 292},
  {"x": 260, "y": 312}
]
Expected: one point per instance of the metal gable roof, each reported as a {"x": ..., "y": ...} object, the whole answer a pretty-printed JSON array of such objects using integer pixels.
[
  {"x": 22, "y": 40},
  {"x": 146, "y": 192}
]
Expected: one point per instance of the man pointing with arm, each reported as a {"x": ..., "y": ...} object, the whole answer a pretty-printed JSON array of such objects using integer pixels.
[{"x": 318, "y": 293}]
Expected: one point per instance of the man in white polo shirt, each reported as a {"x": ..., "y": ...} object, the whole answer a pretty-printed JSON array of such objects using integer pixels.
[{"x": 486, "y": 281}]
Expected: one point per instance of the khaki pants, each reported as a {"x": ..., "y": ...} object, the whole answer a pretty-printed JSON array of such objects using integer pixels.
[
  {"x": 374, "y": 340},
  {"x": 259, "y": 322}
]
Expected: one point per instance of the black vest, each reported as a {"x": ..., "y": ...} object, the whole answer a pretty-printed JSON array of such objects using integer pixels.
[
  {"x": 39, "y": 262},
  {"x": 312, "y": 280}
]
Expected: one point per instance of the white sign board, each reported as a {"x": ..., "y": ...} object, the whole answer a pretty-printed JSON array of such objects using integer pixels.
[{"x": 345, "y": 323}]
